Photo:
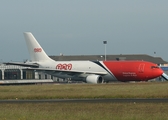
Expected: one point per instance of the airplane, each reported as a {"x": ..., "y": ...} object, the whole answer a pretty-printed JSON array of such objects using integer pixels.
[{"x": 88, "y": 71}]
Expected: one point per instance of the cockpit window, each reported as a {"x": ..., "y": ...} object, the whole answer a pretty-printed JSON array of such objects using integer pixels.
[{"x": 154, "y": 67}]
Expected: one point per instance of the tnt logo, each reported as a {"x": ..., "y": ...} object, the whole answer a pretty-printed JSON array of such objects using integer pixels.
[
  {"x": 37, "y": 49},
  {"x": 64, "y": 66}
]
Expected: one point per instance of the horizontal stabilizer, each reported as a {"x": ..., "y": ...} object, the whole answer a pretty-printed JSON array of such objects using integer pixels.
[{"x": 34, "y": 65}]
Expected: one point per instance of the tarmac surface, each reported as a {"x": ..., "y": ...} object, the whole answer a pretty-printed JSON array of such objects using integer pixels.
[{"x": 154, "y": 100}]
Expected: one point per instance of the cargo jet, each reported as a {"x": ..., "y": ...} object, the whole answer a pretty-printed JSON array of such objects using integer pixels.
[{"x": 88, "y": 71}]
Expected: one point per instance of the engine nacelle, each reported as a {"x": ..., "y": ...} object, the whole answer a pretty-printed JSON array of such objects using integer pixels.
[{"x": 94, "y": 79}]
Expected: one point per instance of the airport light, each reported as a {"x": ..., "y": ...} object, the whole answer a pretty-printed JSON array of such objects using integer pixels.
[{"x": 105, "y": 42}]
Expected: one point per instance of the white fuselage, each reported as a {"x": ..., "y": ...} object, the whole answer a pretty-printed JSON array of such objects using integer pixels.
[{"x": 85, "y": 68}]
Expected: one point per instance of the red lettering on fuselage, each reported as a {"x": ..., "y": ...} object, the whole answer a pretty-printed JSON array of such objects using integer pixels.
[
  {"x": 64, "y": 66},
  {"x": 37, "y": 49}
]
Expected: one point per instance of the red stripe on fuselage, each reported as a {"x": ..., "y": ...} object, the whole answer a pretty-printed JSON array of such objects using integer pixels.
[{"x": 133, "y": 70}]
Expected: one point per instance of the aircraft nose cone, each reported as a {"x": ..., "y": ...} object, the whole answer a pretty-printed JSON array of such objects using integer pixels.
[
  {"x": 156, "y": 72},
  {"x": 159, "y": 72}
]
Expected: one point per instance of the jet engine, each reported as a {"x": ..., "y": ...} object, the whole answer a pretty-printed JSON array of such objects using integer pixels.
[{"x": 94, "y": 79}]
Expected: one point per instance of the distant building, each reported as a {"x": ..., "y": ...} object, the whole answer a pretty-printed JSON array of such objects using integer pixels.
[{"x": 157, "y": 60}]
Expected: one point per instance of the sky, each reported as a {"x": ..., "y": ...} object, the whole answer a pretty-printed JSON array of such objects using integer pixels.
[{"x": 79, "y": 27}]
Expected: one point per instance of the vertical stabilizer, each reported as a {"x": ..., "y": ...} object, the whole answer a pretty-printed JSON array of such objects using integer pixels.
[{"x": 35, "y": 50}]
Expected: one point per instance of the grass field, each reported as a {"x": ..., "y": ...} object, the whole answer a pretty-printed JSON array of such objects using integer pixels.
[
  {"x": 85, "y": 111},
  {"x": 70, "y": 91}
]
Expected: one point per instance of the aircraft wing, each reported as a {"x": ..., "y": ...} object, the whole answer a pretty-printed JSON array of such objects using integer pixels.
[
  {"x": 71, "y": 72},
  {"x": 34, "y": 65}
]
